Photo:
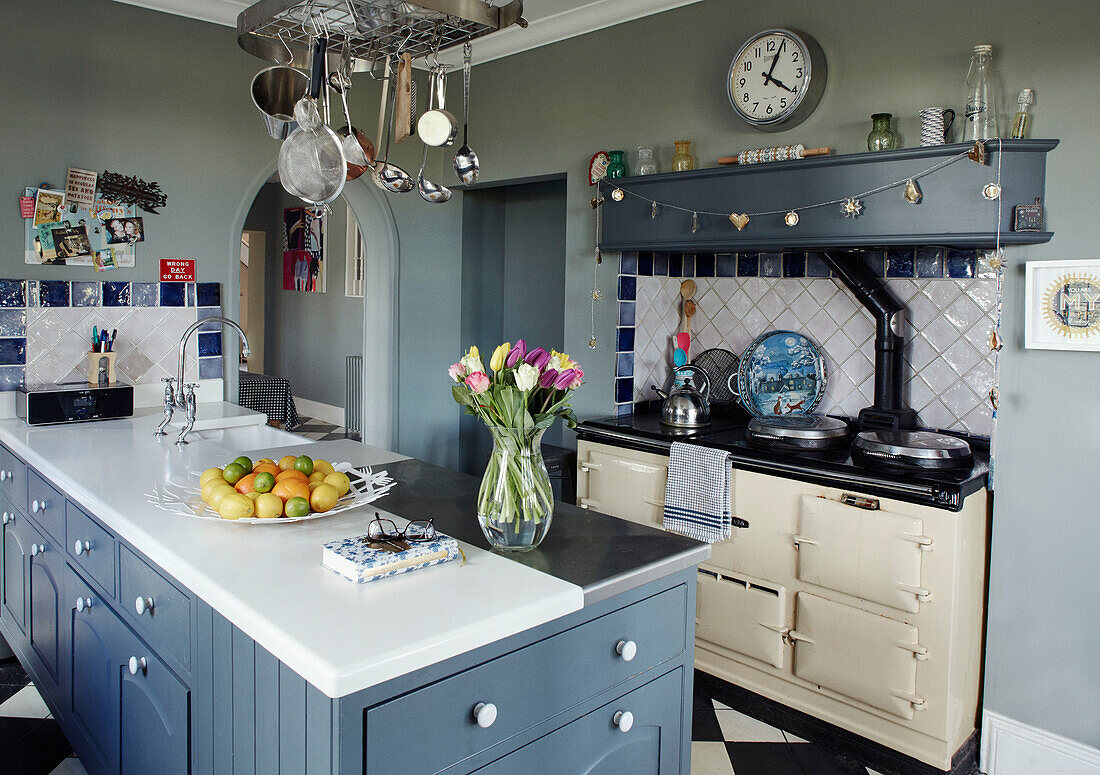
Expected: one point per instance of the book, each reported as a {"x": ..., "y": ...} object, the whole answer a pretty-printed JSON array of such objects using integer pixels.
[{"x": 361, "y": 560}]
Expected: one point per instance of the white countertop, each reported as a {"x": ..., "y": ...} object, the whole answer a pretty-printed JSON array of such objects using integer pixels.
[{"x": 268, "y": 580}]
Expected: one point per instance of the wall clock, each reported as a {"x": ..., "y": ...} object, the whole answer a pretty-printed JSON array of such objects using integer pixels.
[{"x": 777, "y": 78}]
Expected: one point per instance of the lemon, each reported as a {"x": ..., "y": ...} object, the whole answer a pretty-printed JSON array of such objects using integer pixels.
[
  {"x": 323, "y": 498},
  {"x": 297, "y": 507},
  {"x": 314, "y": 485},
  {"x": 234, "y": 471},
  {"x": 323, "y": 466},
  {"x": 252, "y": 495},
  {"x": 269, "y": 506},
  {"x": 287, "y": 462},
  {"x": 340, "y": 482},
  {"x": 304, "y": 463},
  {"x": 214, "y": 490},
  {"x": 210, "y": 473},
  {"x": 236, "y": 506},
  {"x": 316, "y": 476}
]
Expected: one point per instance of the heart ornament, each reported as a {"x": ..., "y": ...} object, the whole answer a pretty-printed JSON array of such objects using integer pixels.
[{"x": 740, "y": 220}]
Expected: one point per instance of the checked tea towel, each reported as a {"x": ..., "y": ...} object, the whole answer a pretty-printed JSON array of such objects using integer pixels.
[{"x": 697, "y": 494}]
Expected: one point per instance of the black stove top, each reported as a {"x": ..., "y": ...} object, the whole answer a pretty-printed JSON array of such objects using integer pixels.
[{"x": 832, "y": 468}]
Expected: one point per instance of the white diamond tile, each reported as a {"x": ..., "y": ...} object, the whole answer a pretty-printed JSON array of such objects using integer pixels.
[
  {"x": 940, "y": 334},
  {"x": 984, "y": 294},
  {"x": 787, "y": 321},
  {"x": 725, "y": 321},
  {"x": 980, "y": 419},
  {"x": 820, "y": 327},
  {"x": 789, "y": 289},
  {"x": 942, "y": 293},
  {"x": 755, "y": 322},
  {"x": 936, "y": 415},
  {"x": 805, "y": 307},
  {"x": 920, "y": 395},
  {"x": 939, "y": 375},
  {"x": 739, "y": 303},
  {"x": 962, "y": 356},
  {"x": 840, "y": 347},
  {"x": 921, "y": 312},
  {"x": 921, "y": 353},
  {"x": 858, "y": 368},
  {"x": 822, "y": 290},
  {"x": 963, "y": 313},
  {"x": 756, "y": 287},
  {"x": 980, "y": 378},
  {"x": 771, "y": 305},
  {"x": 959, "y": 399}
]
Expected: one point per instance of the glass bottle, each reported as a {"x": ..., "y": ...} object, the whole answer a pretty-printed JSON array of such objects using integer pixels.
[
  {"x": 882, "y": 137},
  {"x": 646, "y": 164},
  {"x": 616, "y": 167},
  {"x": 981, "y": 100},
  {"x": 683, "y": 160},
  {"x": 1022, "y": 121}
]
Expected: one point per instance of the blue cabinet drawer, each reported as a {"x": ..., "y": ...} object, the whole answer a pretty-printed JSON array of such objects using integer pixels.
[
  {"x": 91, "y": 547},
  {"x": 528, "y": 686},
  {"x": 158, "y": 609},
  {"x": 13, "y": 478},
  {"x": 46, "y": 505}
]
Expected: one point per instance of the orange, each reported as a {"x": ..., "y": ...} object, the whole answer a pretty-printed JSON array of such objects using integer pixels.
[
  {"x": 287, "y": 462},
  {"x": 291, "y": 488},
  {"x": 269, "y": 468},
  {"x": 264, "y": 461},
  {"x": 291, "y": 474},
  {"x": 244, "y": 484}
]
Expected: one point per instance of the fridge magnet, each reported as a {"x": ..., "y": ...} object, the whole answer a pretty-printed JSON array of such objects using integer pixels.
[
  {"x": 72, "y": 242},
  {"x": 1028, "y": 217},
  {"x": 104, "y": 260},
  {"x": 131, "y": 190},
  {"x": 80, "y": 187},
  {"x": 124, "y": 231},
  {"x": 1062, "y": 305},
  {"x": 48, "y": 205},
  {"x": 26, "y": 207},
  {"x": 304, "y": 246}
]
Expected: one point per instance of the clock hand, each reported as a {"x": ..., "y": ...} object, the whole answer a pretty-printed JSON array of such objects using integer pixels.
[
  {"x": 781, "y": 85},
  {"x": 775, "y": 59}
]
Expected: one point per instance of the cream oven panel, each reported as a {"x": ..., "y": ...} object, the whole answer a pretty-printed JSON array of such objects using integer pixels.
[
  {"x": 622, "y": 482},
  {"x": 742, "y": 617}
]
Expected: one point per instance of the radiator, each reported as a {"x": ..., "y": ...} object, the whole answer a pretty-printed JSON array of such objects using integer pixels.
[{"x": 353, "y": 395}]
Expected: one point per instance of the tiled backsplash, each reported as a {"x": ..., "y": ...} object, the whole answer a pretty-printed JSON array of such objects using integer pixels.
[
  {"x": 949, "y": 366},
  {"x": 46, "y": 327}
]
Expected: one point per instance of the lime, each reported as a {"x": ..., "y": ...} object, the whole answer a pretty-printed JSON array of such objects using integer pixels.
[
  {"x": 304, "y": 464},
  {"x": 244, "y": 462},
  {"x": 234, "y": 471},
  {"x": 264, "y": 482},
  {"x": 297, "y": 507}
]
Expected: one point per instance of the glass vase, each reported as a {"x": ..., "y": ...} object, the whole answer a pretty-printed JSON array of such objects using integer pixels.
[
  {"x": 683, "y": 160},
  {"x": 616, "y": 167},
  {"x": 882, "y": 137},
  {"x": 647, "y": 165},
  {"x": 515, "y": 503}
]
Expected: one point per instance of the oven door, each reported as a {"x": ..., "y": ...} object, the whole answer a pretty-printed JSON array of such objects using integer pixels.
[{"x": 741, "y": 616}]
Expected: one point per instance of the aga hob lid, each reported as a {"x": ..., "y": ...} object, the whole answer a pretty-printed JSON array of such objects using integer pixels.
[
  {"x": 801, "y": 431},
  {"x": 914, "y": 449}
]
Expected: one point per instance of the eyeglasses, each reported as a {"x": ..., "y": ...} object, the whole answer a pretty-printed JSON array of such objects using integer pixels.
[{"x": 381, "y": 529}]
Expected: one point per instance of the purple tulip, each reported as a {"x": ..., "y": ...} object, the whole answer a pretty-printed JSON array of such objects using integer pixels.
[
  {"x": 519, "y": 350},
  {"x": 548, "y": 378},
  {"x": 538, "y": 358},
  {"x": 564, "y": 380}
]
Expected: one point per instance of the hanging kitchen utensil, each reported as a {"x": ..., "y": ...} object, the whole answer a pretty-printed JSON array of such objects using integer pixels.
[
  {"x": 466, "y": 164},
  {"x": 393, "y": 178},
  {"x": 378, "y": 166},
  {"x": 312, "y": 165},
  {"x": 275, "y": 91},
  {"x": 438, "y": 127},
  {"x": 358, "y": 149},
  {"x": 403, "y": 106},
  {"x": 430, "y": 192}
]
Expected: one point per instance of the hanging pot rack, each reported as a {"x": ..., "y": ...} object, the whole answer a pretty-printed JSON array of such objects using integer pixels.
[{"x": 280, "y": 30}]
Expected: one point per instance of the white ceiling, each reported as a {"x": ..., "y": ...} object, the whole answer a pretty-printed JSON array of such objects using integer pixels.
[{"x": 549, "y": 20}]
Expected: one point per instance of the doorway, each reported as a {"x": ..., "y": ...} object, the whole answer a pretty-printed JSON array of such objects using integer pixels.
[{"x": 253, "y": 266}]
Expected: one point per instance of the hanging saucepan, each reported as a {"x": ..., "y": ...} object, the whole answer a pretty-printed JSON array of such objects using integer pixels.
[
  {"x": 312, "y": 165},
  {"x": 275, "y": 91},
  {"x": 438, "y": 127}
]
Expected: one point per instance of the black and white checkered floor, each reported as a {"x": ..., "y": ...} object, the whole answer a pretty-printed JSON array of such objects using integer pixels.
[
  {"x": 724, "y": 741},
  {"x": 319, "y": 430}
]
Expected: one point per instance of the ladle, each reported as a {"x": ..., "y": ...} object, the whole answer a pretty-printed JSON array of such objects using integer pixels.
[
  {"x": 466, "y": 164},
  {"x": 394, "y": 179},
  {"x": 430, "y": 192}
]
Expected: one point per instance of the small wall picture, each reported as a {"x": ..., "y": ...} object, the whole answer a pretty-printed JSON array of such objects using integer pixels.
[
  {"x": 104, "y": 260},
  {"x": 303, "y": 251},
  {"x": 1062, "y": 305},
  {"x": 48, "y": 205},
  {"x": 71, "y": 242},
  {"x": 124, "y": 231}
]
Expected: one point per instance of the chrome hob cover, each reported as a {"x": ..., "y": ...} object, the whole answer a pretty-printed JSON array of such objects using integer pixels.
[
  {"x": 913, "y": 449},
  {"x": 798, "y": 431}
]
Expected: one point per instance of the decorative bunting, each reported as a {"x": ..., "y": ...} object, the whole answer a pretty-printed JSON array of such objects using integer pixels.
[
  {"x": 654, "y": 210},
  {"x": 913, "y": 194},
  {"x": 977, "y": 153},
  {"x": 791, "y": 218},
  {"x": 852, "y": 208},
  {"x": 617, "y": 195},
  {"x": 740, "y": 220},
  {"x": 694, "y": 222},
  {"x": 991, "y": 191}
]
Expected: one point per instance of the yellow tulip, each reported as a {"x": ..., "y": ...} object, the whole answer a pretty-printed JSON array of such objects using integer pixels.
[{"x": 499, "y": 354}]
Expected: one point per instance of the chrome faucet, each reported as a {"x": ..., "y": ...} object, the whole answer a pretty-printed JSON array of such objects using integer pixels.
[{"x": 180, "y": 395}]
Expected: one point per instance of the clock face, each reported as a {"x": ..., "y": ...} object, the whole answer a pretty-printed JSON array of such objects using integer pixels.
[{"x": 776, "y": 79}]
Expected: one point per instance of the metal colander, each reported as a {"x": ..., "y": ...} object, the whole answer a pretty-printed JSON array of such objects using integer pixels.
[{"x": 719, "y": 366}]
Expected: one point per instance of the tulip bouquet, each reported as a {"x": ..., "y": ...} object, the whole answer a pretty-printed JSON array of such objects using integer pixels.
[{"x": 527, "y": 392}]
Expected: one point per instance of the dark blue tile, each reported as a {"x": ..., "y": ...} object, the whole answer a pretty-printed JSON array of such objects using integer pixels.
[
  {"x": 13, "y": 351},
  {"x": 13, "y": 322},
  {"x": 624, "y": 365},
  {"x": 689, "y": 265},
  {"x": 816, "y": 266},
  {"x": 53, "y": 293},
  {"x": 960, "y": 263},
  {"x": 794, "y": 264},
  {"x": 116, "y": 294},
  {"x": 899, "y": 263},
  {"x": 876, "y": 262},
  {"x": 210, "y": 294},
  {"x": 725, "y": 265},
  {"x": 624, "y": 389},
  {"x": 12, "y": 293},
  {"x": 628, "y": 288},
  {"x": 929, "y": 262},
  {"x": 146, "y": 294},
  {"x": 626, "y": 313},
  {"x": 771, "y": 265},
  {"x": 660, "y": 264},
  {"x": 172, "y": 295},
  {"x": 84, "y": 294},
  {"x": 210, "y": 344},
  {"x": 210, "y": 368},
  {"x": 748, "y": 265},
  {"x": 675, "y": 265},
  {"x": 704, "y": 265},
  {"x": 625, "y": 342},
  {"x": 645, "y": 264},
  {"x": 11, "y": 377},
  {"x": 624, "y": 410},
  {"x": 190, "y": 295},
  {"x": 628, "y": 262}
]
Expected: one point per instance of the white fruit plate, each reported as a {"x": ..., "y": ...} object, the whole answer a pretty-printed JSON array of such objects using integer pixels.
[{"x": 366, "y": 487}]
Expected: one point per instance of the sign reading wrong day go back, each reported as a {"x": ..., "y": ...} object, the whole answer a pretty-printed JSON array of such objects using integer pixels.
[{"x": 177, "y": 270}]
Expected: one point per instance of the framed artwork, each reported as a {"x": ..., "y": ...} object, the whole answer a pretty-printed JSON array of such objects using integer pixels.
[
  {"x": 304, "y": 248},
  {"x": 1062, "y": 305}
]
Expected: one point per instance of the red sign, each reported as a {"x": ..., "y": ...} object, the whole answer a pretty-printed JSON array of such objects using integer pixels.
[
  {"x": 26, "y": 206},
  {"x": 177, "y": 270}
]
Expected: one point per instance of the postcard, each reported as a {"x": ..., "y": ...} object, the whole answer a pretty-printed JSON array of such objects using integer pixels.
[
  {"x": 80, "y": 187},
  {"x": 48, "y": 205},
  {"x": 124, "y": 231},
  {"x": 72, "y": 241},
  {"x": 104, "y": 260}
]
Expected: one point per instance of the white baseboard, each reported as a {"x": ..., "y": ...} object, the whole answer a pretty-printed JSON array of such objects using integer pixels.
[
  {"x": 326, "y": 412},
  {"x": 1010, "y": 747}
]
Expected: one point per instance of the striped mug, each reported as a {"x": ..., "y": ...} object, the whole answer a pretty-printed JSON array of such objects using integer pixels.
[{"x": 935, "y": 123}]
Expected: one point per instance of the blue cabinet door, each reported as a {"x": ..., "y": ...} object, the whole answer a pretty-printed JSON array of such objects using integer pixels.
[
  {"x": 14, "y": 575},
  {"x": 45, "y": 571},
  {"x": 608, "y": 741},
  {"x": 153, "y": 714},
  {"x": 93, "y": 633}
]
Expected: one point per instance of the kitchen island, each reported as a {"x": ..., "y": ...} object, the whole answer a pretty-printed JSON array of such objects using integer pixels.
[{"x": 168, "y": 644}]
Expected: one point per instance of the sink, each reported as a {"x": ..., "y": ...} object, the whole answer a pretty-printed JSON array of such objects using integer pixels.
[{"x": 245, "y": 437}]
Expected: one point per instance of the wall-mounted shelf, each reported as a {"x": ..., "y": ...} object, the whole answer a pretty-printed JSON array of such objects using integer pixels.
[{"x": 952, "y": 213}]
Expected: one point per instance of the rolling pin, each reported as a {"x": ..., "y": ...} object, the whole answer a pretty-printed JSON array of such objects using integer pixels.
[{"x": 781, "y": 153}]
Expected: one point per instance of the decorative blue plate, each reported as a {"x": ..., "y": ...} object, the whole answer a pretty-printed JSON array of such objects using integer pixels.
[{"x": 781, "y": 372}]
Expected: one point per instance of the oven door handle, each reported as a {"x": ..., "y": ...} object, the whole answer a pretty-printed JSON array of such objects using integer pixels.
[{"x": 799, "y": 540}]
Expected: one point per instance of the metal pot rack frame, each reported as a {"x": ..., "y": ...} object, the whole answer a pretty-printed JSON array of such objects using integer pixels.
[{"x": 280, "y": 30}]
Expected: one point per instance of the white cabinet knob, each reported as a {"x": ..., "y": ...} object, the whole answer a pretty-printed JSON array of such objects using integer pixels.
[
  {"x": 627, "y": 649},
  {"x": 37, "y": 506},
  {"x": 37, "y": 549},
  {"x": 81, "y": 547},
  {"x": 143, "y": 604},
  {"x": 624, "y": 720},
  {"x": 82, "y": 604},
  {"x": 138, "y": 665},
  {"x": 4, "y": 476},
  {"x": 8, "y": 517},
  {"x": 485, "y": 713}
]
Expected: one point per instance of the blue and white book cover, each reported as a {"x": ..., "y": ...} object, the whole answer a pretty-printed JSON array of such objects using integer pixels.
[{"x": 360, "y": 559}]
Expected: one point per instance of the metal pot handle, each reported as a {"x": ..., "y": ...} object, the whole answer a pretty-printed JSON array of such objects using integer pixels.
[{"x": 731, "y": 383}]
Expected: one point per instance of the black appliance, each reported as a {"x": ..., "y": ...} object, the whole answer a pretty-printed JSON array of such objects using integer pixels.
[{"x": 73, "y": 402}]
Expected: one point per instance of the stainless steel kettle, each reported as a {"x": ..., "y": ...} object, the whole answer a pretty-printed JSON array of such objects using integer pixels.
[{"x": 685, "y": 405}]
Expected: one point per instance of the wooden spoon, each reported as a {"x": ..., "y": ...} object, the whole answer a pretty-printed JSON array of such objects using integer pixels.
[{"x": 687, "y": 289}]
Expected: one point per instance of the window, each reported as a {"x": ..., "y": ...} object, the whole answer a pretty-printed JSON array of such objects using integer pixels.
[{"x": 356, "y": 256}]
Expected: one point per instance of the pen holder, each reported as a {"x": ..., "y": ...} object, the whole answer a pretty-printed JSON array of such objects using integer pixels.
[{"x": 94, "y": 360}]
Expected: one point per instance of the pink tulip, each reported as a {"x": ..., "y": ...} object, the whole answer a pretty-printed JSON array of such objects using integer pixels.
[
  {"x": 457, "y": 372},
  {"x": 578, "y": 375},
  {"x": 538, "y": 358},
  {"x": 478, "y": 382},
  {"x": 565, "y": 379},
  {"x": 519, "y": 351},
  {"x": 548, "y": 378}
]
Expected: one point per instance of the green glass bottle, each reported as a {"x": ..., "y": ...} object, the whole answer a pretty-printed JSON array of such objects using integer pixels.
[
  {"x": 882, "y": 137},
  {"x": 616, "y": 168}
]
